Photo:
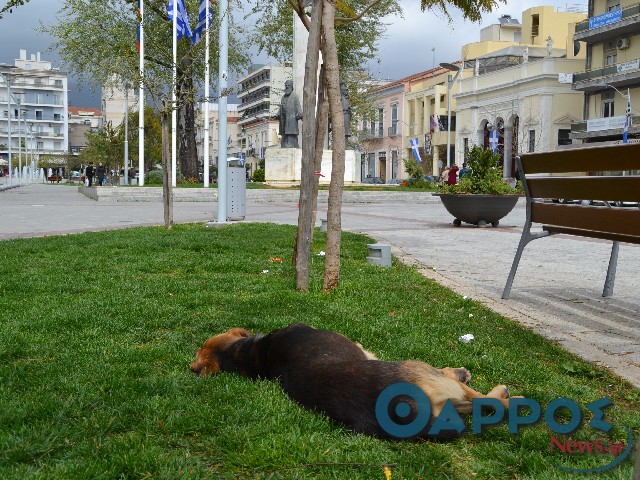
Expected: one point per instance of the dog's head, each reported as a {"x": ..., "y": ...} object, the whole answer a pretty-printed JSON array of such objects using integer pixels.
[{"x": 208, "y": 357}]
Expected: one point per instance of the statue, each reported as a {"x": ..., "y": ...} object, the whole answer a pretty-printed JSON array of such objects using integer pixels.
[
  {"x": 525, "y": 55},
  {"x": 289, "y": 114},
  {"x": 346, "y": 108},
  {"x": 549, "y": 46}
]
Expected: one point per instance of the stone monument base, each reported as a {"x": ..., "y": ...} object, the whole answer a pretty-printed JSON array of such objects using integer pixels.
[{"x": 283, "y": 166}]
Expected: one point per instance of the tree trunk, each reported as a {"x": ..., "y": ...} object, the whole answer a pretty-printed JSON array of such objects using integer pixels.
[
  {"x": 167, "y": 189},
  {"x": 307, "y": 178},
  {"x": 187, "y": 153},
  {"x": 334, "y": 213},
  {"x": 322, "y": 121}
]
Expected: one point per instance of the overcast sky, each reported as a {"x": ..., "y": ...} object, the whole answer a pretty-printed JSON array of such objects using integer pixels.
[{"x": 405, "y": 49}]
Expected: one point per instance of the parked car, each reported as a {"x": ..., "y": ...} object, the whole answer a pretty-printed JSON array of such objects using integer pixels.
[
  {"x": 429, "y": 178},
  {"x": 373, "y": 180},
  {"x": 394, "y": 181}
]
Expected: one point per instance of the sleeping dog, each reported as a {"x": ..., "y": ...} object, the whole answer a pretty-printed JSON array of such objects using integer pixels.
[{"x": 326, "y": 372}]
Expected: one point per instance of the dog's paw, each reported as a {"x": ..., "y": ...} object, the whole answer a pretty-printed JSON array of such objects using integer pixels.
[
  {"x": 464, "y": 375},
  {"x": 500, "y": 391}
]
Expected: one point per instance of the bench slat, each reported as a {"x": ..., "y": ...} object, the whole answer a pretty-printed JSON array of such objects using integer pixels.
[
  {"x": 618, "y": 188},
  {"x": 592, "y": 159},
  {"x": 602, "y": 220},
  {"x": 587, "y": 233}
]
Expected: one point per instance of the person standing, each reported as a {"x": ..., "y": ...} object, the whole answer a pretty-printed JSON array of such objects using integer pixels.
[
  {"x": 89, "y": 173},
  {"x": 453, "y": 175},
  {"x": 101, "y": 174},
  {"x": 444, "y": 175}
]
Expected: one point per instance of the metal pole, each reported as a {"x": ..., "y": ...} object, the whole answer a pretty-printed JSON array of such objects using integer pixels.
[
  {"x": 8, "y": 82},
  {"x": 141, "y": 102},
  {"x": 174, "y": 112},
  {"x": 222, "y": 113},
  {"x": 449, "y": 83},
  {"x": 205, "y": 172},
  {"x": 126, "y": 134},
  {"x": 19, "y": 144}
]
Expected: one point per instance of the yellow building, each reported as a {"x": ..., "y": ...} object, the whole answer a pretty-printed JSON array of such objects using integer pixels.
[
  {"x": 611, "y": 77},
  {"x": 516, "y": 96}
]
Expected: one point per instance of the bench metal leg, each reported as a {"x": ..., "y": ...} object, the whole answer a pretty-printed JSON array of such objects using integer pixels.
[
  {"x": 524, "y": 240},
  {"x": 611, "y": 271}
]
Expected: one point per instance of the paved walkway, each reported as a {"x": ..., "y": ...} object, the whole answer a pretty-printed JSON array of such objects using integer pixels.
[{"x": 557, "y": 291}]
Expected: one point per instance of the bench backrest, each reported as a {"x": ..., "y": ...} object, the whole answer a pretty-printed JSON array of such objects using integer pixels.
[{"x": 593, "y": 173}]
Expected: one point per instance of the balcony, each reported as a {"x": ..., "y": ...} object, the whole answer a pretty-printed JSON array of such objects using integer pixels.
[
  {"x": 393, "y": 131},
  {"x": 601, "y": 128},
  {"x": 609, "y": 26},
  {"x": 619, "y": 75}
]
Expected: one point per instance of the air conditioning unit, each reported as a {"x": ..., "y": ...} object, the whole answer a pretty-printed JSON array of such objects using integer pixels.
[{"x": 622, "y": 43}]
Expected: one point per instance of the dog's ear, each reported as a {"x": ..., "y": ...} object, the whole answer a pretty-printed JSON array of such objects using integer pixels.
[{"x": 239, "y": 332}]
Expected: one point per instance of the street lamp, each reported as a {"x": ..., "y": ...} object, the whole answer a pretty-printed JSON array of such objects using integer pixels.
[
  {"x": 450, "y": 81},
  {"x": 5, "y": 72},
  {"x": 627, "y": 119}
]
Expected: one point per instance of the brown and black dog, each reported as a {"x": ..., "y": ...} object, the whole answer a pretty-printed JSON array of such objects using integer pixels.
[{"x": 326, "y": 372}]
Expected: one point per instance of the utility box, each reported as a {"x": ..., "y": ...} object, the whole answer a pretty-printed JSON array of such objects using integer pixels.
[
  {"x": 379, "y": 254},
  {"x": 236, "y": 189}
]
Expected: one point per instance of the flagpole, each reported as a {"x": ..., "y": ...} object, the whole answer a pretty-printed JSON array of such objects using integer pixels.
[
  {"x": 222, "y": 112},
  {"x": 174, "y": 112},
  {"x": 141, "y": 102},
  {"x": 206, "y": 98}
]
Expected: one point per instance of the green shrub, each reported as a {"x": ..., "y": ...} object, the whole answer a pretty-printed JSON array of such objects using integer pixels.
[
  {"x": 153, "y": 177},
  {"x": 258, "y": 175},
  {"x": 484, "y": 176}
]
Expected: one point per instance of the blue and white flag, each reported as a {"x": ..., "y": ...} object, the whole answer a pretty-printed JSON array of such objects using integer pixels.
[
  {"x": 182, "y": 21},
  {"x": 493, "y": 140},
  {"x": 414, "y": 146},
  {"x": 202, "y": 21},
  {"x": 440, "y": 125}
]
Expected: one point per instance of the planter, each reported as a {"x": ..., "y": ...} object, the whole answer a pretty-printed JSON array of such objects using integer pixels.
[{"x": 478, "y": 210}]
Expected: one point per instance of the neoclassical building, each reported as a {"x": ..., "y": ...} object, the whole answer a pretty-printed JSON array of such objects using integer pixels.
[{"x": 521, "y": 94}]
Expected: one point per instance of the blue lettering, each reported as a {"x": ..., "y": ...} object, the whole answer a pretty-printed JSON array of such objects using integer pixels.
[
  {"x": 563, "y": 428},
  {"x": 448, "y": 420},
  {"x": 597, "y": 408},
  {"x": 516, "y": 420},
  {"x": 479, "y": 421}
]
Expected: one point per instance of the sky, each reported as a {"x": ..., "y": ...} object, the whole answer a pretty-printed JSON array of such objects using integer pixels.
[{"x": 417, "y": 42}]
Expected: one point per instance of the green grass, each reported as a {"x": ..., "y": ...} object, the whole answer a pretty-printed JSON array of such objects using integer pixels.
[{"x": 97, "y": 331}]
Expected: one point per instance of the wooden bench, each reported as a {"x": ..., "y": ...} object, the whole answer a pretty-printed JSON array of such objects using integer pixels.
[
  {"x": 599, "y": 177},
  {"x": 55, "y": 178}
]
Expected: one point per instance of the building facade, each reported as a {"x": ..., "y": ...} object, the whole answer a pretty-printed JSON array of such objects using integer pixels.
[
  {"x": 519, "y": 98},
  {"x": 33, "y": 105},
  {"x": 81, "y": 121},
  {"x": 260, "y": 93},
  {"x": 610, "y": 79},
  {"x": 115, "y": 101},
  {"x": 232, "y": 142}
]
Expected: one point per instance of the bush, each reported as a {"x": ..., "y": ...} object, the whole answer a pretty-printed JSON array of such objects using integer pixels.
[
  {"x": 413, "y": 169},
  {"x": 153, "y": 177},
  {"x": 258, "y": 175}
]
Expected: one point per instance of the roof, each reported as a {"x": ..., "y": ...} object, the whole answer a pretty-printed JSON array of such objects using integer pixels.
[{"x": 434, "y": 72}]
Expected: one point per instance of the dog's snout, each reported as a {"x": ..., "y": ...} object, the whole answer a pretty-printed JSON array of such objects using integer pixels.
[{"x": 196, "y": 367}]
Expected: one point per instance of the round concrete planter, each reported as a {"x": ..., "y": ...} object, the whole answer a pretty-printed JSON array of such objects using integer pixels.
[{"x": 480, "y": 210}]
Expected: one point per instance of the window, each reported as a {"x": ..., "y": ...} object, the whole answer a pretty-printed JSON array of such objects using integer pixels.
[
  {"x": 535, "y": 25},
  {"x": 610, "y": 53},
  {"x": 372, "y": 165},
  {"x": 394, "y": 119},
  {"x": 380, "y": 122},
  {"x": 532, "y": 141},
  {"x": 57, "y": 117},
  {"x": 613, "y": 5},
  {"x": 40, "y": 145},
  {"x": 39, "y": 98},
  {"x": 57, "y": 100},
  {"x": 57, "y": 145},
  {"x": 465, "y": 146},
  {"x": 38, "y": 114},
  {"x": 607, "y": 104},
  {"x": 563, "y": 136}
]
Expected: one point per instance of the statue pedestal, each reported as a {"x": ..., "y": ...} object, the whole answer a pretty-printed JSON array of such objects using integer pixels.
[{"x": 283, "y": 166}]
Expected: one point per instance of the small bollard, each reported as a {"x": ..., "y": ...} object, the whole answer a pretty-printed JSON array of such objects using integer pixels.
[
  {"x": 379, "y": 254},
  {"x": 323, "y": 224}
]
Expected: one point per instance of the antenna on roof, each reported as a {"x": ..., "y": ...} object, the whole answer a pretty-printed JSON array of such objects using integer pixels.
[{"x": 433, "y": 65}]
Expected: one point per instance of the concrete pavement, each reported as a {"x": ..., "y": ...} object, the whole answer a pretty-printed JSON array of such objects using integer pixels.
[{"x": 557, "y": 291}]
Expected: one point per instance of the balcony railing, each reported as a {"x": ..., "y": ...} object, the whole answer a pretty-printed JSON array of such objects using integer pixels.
[
  {"x": 584, "y": 26},
  {"x": 597, "y": 78}
]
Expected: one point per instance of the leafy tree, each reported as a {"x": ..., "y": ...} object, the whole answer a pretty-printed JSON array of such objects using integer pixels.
[
  {"x": 11, "y": 4},
  {"x": 152, "y": 137},
  {"x": 105, "y": 145},
  {"x": 97, "y": 41}
]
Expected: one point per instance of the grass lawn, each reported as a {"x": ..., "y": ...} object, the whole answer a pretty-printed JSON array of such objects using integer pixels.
[{"x": 97, "y": 331}]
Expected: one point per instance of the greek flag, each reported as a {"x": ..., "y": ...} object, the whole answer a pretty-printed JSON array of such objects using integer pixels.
[
  {"x": 440, "y": 125},
  {"x": 182, "y": 21},
  {"x": 202, "y": 21},
  {"x": 414, "y": 146},
  {"x": 493, "y": 140}
]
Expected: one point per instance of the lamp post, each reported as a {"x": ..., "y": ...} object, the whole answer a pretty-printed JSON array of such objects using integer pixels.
[
  {"x": 450, "y": 81},
  {"x": 627, "y": 119},
  {"x": 7, "y": 81}
]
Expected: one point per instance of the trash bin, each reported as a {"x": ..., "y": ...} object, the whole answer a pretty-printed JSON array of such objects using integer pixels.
[{"x": 236, "y": 189}]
